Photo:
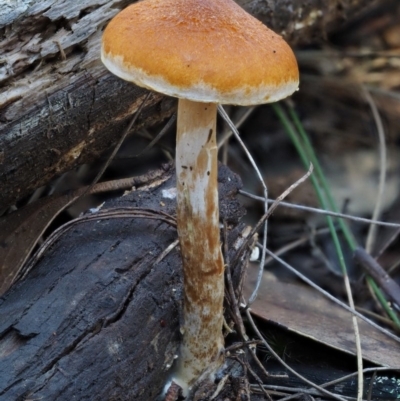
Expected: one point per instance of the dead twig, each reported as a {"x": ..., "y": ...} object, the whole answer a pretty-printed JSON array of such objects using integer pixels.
[
  {"x": 247, "y": 368},
  {"x": 383, "y": 167},
  {"x": 375, "y": 270},
  {"x": 274, "y": 205},
  {"x": 225, "y": 116},
  {"x": 164, "y": 130},
  {"x": 331, "y": 297},
  {"x": 324, "y": 212},
  {"x": 283, "y": 363},
  {"x": 234, "y": 304}
]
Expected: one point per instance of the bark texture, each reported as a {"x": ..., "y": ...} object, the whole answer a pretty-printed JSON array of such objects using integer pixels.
[
  {"x": 97, "y": 318},
  {"x": 59, "y": 107},
  {"x": 304, "y": 22}
]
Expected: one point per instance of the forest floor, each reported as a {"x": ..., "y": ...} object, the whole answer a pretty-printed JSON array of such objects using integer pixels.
[{"x": 349, "y": 106}]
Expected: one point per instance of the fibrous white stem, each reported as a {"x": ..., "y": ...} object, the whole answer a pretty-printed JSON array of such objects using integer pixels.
[{"x": 198, "y": 228}]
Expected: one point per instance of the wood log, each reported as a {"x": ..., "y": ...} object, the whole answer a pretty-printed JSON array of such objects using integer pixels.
[
  {"x": 59, "y": 107},
  {"x": 97, "y": 318}
]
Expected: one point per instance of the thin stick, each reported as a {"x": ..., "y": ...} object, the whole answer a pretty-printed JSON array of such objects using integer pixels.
[
  {"x": 321, "y": 211},
  {"x": 285, "y": 193},
  {"x": 166, "y": 127},
  {"x": 360, "y": 384},
  {"x": 388, "y": 243},
  {"x": 383, "y": 167},
  {"x": 293, "y": 245},
  {"x": 298, "y": 392},
  {"x": 283, "y": 363},
  {"x": 371, "y": 385},
  {"x": 274, "y": 205},
  {"x": 379, "y": 318},
  {"x": 240, "y": 345},
  {"x": 121, "y": 140},
  {"x": 306, "y": 153},
  {"x": 259, "y": 382},
  {"x": 229, "y": 287},
  {"x": 375, "y": 270},
  {"x": 331, "y": 297},
  {"x": 367, "y": 370},
  {"x": 327, "y": 384},
  {"x": 224, "y": 142},
  {"x": 226, "y": 135},
  {"x": 225, "y": 116},
  {"x": 166, "y": 251}
]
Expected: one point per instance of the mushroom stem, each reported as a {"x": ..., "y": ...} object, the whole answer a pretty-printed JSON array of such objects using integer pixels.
[{"x": 199, "y": 235}]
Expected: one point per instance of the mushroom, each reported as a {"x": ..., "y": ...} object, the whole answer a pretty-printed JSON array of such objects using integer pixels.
[{"x": 204, "y": 52}]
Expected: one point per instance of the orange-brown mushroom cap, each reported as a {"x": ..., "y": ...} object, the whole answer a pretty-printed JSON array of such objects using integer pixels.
[{"x": 202, "y": 50}]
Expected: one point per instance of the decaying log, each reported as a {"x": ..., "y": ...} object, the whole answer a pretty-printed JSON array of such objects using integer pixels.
[
  {"x": 304, "y": 22},
  {"x": 59, "y": 107},
  {"x": 97, "y": 318}
]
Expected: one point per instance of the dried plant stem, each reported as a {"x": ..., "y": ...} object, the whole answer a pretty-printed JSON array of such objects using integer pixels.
[
  {"x": 382, "y": 175},
  {"x": 227, "y": 134},
  {"x": 121, "y": 140},
  {"x": 232, "y": 126},
  {"x": 331, "y": 297},
  {"x": 321, "y": 211},
  {"x": 164, "y": 130},
  {"x": 303, "y": 145},
  {"x": 271, "y": 350}
]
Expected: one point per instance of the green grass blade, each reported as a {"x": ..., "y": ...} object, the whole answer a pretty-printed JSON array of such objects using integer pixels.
[{"x": 325, "y": 198}]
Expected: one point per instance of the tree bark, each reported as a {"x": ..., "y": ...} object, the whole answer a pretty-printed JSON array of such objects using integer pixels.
[
  {"x": 305, "y": 22},
  {"x": 97, "y": 318},
  {"x": 59, "y": 107}
]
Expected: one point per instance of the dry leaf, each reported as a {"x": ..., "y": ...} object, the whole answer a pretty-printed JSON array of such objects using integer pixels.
[{"x": 306, "y": 312}]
